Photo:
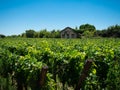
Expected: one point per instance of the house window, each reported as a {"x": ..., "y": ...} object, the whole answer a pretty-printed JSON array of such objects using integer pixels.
[
  {"x": 67, "y": 35},
  {"x": 73, "y": 35},
  {"x": 63, "y": 36}
]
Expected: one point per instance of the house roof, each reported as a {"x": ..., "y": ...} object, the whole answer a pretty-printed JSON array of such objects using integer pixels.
[{"x": 69, "y": 28}]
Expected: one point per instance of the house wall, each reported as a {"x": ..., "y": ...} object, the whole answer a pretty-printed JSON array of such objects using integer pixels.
[{"x": 68, "y": 33}]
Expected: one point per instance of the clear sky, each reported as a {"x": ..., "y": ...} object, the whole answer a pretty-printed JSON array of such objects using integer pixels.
[{"x": 16, "y": 16}]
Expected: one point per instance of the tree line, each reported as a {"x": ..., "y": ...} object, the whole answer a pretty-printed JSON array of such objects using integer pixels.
[
  {"x": 84, "y": 30},
  {"x": 112, "y": 31},
  {"x": 41, "y": 34},
  {"x": 88, "y": 30}
]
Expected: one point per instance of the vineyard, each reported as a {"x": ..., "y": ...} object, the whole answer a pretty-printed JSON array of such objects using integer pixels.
[{"x": 23, "y": 59}]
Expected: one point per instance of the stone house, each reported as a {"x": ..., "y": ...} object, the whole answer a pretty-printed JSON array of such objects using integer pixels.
[{"x": 68, "y": 33}]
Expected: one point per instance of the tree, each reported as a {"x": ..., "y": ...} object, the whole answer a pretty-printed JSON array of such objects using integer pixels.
[
  {"x": 36, "y": 35},
  {"x": 87, "y": 27},
  {"x": 55, "y": 34},
  {"x": 88, "y": 34},
  {"x": 87, "y": 30},
  {"x": 30, "y": 33},
  {"x": 2, "y": 36},
  {"x": 76, "y": 28},
  {"x": 44, "y": 34},
  {"x": 23, "y": 35},
  {"x": 113, "y": 31}
]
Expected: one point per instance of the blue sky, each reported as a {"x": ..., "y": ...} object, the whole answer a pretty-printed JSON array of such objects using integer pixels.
[{"x": 16, "y": 16}]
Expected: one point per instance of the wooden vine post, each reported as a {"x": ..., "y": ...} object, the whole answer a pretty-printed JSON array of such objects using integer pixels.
[
  {"x": 43, "y": 75},
  {"x": 84, "y": 74}
]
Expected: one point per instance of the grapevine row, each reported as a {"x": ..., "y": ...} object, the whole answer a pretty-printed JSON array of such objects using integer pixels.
[{"x": 21, "y": 61}]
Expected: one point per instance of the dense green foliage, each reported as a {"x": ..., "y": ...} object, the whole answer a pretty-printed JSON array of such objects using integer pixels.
[
  {"x": 21, "y": 60},
  {"x": 84, "y": 30},
  {"x": 2, "y": 36},
  {"x": 41, "y": 34},
  {"x": 112, "y": 31}
]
